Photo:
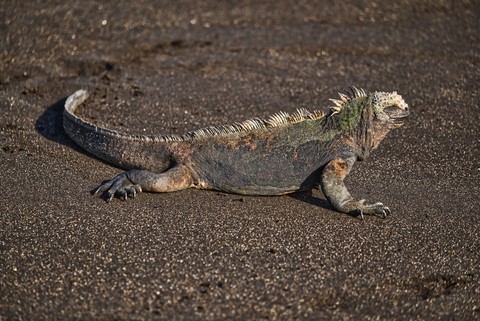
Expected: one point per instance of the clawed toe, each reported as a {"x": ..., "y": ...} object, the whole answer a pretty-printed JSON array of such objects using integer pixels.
[
  {"x": 379, "y": 208},
  {"x": 105, "y": 186},
  {"x": 133, "y": 191},
  {"x": 109, "y": 196},
  {"x": 119, "y": 186},
  {"x": 372, "y": 209},
  {"x": 386, "y": 211},
  {"x": 360, "y": 216}
]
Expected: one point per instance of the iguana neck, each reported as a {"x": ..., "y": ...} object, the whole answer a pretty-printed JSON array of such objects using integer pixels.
[
  {"x": 363, "y": 134},
  {"x": 355, "y": 126}
]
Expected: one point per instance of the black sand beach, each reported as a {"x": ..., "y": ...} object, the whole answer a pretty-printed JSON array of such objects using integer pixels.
[{"x": 171, "y": 66}]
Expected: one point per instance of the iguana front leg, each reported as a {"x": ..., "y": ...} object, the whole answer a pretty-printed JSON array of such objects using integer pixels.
[
  {"x": 129, "y": 183},
  {"x": 337, "y": 194}
]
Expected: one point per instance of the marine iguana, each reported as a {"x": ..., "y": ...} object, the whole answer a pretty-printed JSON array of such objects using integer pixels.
[{"x": 278, "y": 155}]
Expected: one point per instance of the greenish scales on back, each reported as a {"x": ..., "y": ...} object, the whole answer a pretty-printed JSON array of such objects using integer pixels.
[{"x": 281, "y": 154}]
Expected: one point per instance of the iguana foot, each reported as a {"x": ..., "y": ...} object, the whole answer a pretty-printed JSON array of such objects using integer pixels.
[
  {"x": 121, "y": 186},
  {"x": 372, "y": 209},
  {"x": 129, "y": 183},
  {"x": 359, "y": 208},
  {"x": 334, "y": 189}
]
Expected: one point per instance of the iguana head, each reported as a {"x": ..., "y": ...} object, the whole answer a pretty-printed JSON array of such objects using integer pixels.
[
  {"x": 368, "y": 117},
  {"x": 389, "y": 111},
  {"x": 389, "y": 108}
]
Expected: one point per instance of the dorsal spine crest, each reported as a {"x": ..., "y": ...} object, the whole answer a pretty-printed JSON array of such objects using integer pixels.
[{"x": 276, "y": 120}]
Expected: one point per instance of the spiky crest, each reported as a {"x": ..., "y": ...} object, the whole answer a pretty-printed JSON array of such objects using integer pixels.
[
  {"x": 276, "y": 120},
  {"x": 345, "y": 99}
]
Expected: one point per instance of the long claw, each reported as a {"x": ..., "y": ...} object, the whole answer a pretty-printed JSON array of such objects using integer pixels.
[
  {"x": 102, "y": 188},
  {"x": 361, "y": 215},
  {"x": 122, "y": 194},
  {"x": 385, "y": 212},
  {"x": 132, "y": 192},
  {"x": 109, "y": 196},
  {"x": 362, "y": 208}
]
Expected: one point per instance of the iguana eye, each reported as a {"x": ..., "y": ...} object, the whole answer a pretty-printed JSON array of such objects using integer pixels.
[{"x": 391, "y": 109}]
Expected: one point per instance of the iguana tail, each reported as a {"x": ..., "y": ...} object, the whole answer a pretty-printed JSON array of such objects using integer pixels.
[{"x": 120, "y": 149}]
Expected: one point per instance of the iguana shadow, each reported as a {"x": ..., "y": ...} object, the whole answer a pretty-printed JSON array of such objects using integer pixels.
[
  {"x": 307, "y": 197},
  {"x": 50, "y": 126}
]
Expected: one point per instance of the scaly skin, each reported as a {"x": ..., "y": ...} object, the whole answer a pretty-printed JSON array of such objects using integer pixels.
[{"x": 279, "y": 155}]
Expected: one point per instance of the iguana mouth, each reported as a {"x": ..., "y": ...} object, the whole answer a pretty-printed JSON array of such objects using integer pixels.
[
  {"x": 399, "y": 119},
  {"x": 400, "y": 116}
]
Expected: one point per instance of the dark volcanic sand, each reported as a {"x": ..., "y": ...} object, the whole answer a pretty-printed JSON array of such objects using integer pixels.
[{"x": 200, "y": 255}]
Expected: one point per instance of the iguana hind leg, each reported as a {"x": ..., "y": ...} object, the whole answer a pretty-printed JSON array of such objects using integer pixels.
[
  {"x": 337, "y": 194},
  {"x": 129, "y": 183}
]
